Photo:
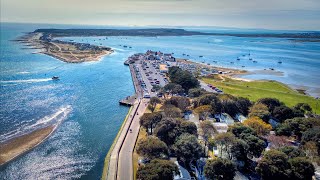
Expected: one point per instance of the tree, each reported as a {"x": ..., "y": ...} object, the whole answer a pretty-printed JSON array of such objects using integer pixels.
[
  {"x": 297, "y": 126},
  {"x": 188, "y": 127},
  {"x": 224, "y": 142},
  {"x": 239, "y": 150},
  {"x": 180, "y": 102},
  {"x": 183, "y": 78},
  {"x": 261, "y": 111},
  {"x": 153, "y": 103},
  {"x": 230, "y": 107},
  {"x": 271, "y": 103},
  {"x": 158, "y": 170},
  {"x": 168, "y": 130},
  {"x": 292, "y": 152},
  {"x": 196, "y": 92},
  {"x": 243, "y": 105},
  {"x": 282, "y": 113},
  {"x": 171, "y": 111},
  {"x": 173, "y": 88},
  {"x": 311, "y": 150},
  {"x": 207, "y": 130},
  {"x": 203, "y": 111},
  {"x": 156, "y": 87},
  {"x": 312, "y": 135},
  {"x": 187, "y": 148},
  {"x": 152, "y": 147},
  {"x": 219, "y": 169},
  {"x": 258, "y": 125},
  {"x": 302, "y": 107},
  {"x": 302, "y": 168},
  {"x": 150, "y": 120},
  {"x": 240, "y": 130},
  {"x": 274, "y": 165},
  {"x": 256, "y": 145}
]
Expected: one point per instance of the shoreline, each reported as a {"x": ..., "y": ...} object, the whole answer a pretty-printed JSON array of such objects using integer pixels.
[
  {"x": 69, "y": 52},
  {"x": 18, "y": 146},
  {"x": 237, "y": 74}
]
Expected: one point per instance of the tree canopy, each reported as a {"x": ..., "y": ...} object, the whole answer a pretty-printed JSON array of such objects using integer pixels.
[
  {"x": 153, "y": 103},
  {"x": 158, "y": 170},
  {"x": 258, "y": 125},
  {"x": 183, "y": 78},
  {"x": 271, "y": 103},
  {"x": 150, "y": 120},
  {"x": 187, "y": 148},
  {"x": 260, "y": 110},
  {"x": 274, "y": 165},
  {"x": 152, "y": 147},
  {"x": 219, "y": 169}
]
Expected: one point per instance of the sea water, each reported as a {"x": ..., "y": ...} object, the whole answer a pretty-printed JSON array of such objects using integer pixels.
[{"x": 85, "y": 99}]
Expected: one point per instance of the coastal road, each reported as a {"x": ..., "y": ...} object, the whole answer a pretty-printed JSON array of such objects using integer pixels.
[{"x": 125, "y": 166}]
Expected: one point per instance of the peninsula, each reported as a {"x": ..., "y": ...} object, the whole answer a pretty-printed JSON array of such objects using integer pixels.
[{"x": 70, "y": 52}]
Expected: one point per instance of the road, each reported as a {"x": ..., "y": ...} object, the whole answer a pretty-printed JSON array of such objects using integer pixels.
[
  {"x": 121, "y": 165},
  {"x": 125, "y": 165}
]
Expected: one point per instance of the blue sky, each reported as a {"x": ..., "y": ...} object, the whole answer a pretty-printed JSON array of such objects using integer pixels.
[{"x": 267, "y": 14}]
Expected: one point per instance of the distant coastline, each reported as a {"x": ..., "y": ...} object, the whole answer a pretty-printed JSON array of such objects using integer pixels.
[{"x": 73, "y": 52}]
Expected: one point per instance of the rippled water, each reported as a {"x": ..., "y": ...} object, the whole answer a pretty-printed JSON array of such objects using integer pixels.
[{"x": 85, "y": 100}]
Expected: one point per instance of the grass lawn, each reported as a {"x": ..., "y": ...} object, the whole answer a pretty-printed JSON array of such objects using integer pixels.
[
  {"x": 255, "y": 90},
  {"x": 135, "y": 157}
]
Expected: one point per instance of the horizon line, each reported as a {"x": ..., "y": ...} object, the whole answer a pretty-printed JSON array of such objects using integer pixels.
[{"x": 161, "y": 26}]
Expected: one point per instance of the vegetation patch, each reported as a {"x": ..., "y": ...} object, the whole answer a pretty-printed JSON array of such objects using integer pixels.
[{"x": 255, "y": 90}]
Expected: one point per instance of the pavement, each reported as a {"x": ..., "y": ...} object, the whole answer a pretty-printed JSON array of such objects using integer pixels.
[
  {"x": 120, "y": 164},
  {"x": 125, "y": 164}
]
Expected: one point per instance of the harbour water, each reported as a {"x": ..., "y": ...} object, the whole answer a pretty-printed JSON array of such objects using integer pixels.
[{"x": 85, "y": 99}]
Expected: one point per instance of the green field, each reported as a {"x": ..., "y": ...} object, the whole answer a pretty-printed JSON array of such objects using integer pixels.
[{"x": 255, "y": 90}]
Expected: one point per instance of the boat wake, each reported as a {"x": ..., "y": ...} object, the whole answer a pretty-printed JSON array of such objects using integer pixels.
[
  {"x": 54, "y": 119},
  {"x": 26, "y": 81}
]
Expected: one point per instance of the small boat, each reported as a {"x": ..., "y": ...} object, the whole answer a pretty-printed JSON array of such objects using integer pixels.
[
  {"x": 250, "y": 59},
  {"x": 280, "y": 62},
  {"x": 183, "y": 54},
  {"x": 242, "y": 66},
  {"x": 231, "y": 62},
  {"x": 255, "y": 61},
  {"x": 201, "y": 56},
  {"x": 238, "y": 58},
  {"x": 188, "y": 55},
  {"x": 55, "y": 78}
]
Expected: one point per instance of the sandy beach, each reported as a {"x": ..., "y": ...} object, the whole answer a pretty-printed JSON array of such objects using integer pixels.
[{"x": 15, "y": 147}]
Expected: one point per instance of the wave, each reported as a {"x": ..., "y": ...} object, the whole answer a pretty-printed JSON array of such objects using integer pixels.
[
  {"x": 26, "y": 81},
  {"x": 53, "y": 119},
  {"x": 217, "y": 40},
  {"x": 23, "y": 72}
]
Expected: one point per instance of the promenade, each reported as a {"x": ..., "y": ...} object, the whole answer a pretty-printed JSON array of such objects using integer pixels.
[{"x": 120, "y": 164}]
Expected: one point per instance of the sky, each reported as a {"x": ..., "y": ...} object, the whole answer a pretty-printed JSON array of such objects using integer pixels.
[{"x": 260, "y": 14}]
